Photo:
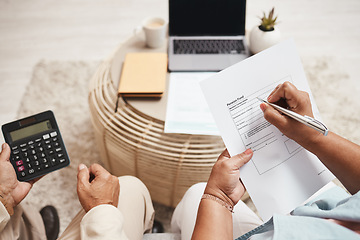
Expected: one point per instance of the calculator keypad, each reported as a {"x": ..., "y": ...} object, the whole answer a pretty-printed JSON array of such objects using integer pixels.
[{"x": 38, "y": 156}]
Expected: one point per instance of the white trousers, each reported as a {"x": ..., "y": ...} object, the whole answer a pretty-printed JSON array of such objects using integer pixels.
[
  {"x": 184, "y": 217},
  {"x": 137, "y": 209},
  {"x": 134, "y": 203}
]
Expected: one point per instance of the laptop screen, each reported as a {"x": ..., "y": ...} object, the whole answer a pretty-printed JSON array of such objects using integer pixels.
[{"x": 207, "y": 17}]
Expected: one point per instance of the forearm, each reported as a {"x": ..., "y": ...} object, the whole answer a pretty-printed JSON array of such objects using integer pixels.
[
  {"x": 340, "y": 156},
  {"x": 213, "y": 221}
]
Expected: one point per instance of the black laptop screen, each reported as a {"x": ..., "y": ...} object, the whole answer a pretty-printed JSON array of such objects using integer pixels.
[{"x": 207, "y": 17}]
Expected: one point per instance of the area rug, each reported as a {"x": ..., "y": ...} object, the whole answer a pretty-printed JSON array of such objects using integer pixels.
[
  {"x": 63, "y": 88},
  {"x": 336, "y": 96}
]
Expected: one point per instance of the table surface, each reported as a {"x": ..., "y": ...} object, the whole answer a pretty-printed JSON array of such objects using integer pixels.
[{"x": 153, "y": 107}]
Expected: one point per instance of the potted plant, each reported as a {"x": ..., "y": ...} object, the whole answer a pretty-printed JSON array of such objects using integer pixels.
[{"x": 265, "y": 35}]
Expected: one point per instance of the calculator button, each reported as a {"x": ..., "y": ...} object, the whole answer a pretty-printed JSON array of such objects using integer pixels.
[
  {"x": 21, "y": 168},
  {"x": 24, "y": 149},
  {"x": 33, "y": 152},
  {"x": 31, "y": 142},
  {"x": 48, "y": 147},
  {"x": 58, "y": 149},
  {"x": 62, "y": 160},
  {"x": 23, "y": 145},
  {"x": 16, "y": 152},
  {"x": 38, "y": 140},
  {"x": 46, "y": 136},
  {"x": 47, "y": 165},
  {"x": 44, "y": 160},
  {"x": 27, "y": 160},
  {"x": 31, "y": 171},
  {"x": 36, "y": 163},
  {"x": 14, "y": 147},
  {"x": 19, "y": 163},
  {"x": 42, "y": 155},
  {"x": 23, "y": 174},
  {"x": 55, "y": 139},
  {"x": 60, "y": 155},
  {"x": 53, "y": 134}
]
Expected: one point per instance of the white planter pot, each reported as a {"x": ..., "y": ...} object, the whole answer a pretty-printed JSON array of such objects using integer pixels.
[{"x": 260, "y": 40}]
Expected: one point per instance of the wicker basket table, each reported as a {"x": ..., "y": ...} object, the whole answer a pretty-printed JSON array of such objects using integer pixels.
[{"x": 132, "y": 140}]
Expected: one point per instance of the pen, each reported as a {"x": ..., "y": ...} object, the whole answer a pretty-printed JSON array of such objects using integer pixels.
[{"x": 308, "y": 121}]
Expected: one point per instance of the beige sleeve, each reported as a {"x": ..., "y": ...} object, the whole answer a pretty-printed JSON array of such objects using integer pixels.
[
  {"x": 4, "y": 217},
  {"x": 103, "y": 222}
]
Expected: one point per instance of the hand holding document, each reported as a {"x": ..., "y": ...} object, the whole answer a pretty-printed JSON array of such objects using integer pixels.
[{"x": 281, "y": 175}]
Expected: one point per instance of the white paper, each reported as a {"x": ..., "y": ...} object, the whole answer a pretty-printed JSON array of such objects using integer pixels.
[
  {"x": 281, "y": 174},
  {"x": 187, "y": 110}
]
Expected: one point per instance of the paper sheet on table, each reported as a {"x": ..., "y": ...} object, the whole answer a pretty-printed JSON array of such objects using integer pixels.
[
  {"x": 281, "y": 174},
  {"x": 187, "y": 110}
]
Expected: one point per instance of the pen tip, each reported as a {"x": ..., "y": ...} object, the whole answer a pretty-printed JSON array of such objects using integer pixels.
[{"x": 261, "y": 100}]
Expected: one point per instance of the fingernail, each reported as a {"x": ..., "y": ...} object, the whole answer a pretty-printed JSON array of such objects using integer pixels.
[
  {"x": 3, "y": 146},
  {"x": 248, "y": 151},
  {"x": 81, "y": 166}
]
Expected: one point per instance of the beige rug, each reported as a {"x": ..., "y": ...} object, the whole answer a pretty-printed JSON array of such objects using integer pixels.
[
  {"x": 336, "y": 96},
  {"x": 63, "y": 88}
]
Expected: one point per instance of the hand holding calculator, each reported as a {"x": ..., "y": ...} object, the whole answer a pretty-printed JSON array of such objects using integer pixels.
[{"x": 36, "y": 146}]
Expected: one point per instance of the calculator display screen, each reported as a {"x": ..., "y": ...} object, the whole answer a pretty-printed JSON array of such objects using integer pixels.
[{"x": 30, "y": 130}]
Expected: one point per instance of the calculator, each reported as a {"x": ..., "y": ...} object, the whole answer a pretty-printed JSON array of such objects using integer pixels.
[{"x": 37, "y": 147}]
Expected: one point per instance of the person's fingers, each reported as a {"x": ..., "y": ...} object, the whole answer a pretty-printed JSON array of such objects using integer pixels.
[
  {"x": 273, "y": 91},
  {"x": 285, "y": 91},
  {"x": 98, "y": 170},
  {"x": 224, "y": 155},
  {"x": 83, "y": 175},
  {"x": 273, "y": 116},
  {"x": 5, "y": 153},
  {"x": 241, "y": 159}
]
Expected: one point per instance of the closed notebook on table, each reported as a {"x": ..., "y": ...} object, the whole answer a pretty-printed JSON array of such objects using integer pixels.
[{"x": 143, "y": 75}]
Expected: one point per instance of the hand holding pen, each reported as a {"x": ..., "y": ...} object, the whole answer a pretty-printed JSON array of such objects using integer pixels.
[{"x": 294, "y": 117}]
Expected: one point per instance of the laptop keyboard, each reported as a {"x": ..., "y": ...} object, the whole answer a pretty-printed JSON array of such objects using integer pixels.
[{"x": 208, "y": 46}]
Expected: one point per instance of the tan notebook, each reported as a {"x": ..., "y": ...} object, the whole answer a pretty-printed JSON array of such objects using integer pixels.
[{"x": 143, "y": 75}]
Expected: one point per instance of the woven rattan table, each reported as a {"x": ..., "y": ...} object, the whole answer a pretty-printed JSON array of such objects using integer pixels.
[{"x": 132, "y": 140}]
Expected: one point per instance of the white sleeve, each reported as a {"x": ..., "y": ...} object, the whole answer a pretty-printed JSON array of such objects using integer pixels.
[
  {"x": 103, "y": 222},
  {"x": 4, "y": 217}
]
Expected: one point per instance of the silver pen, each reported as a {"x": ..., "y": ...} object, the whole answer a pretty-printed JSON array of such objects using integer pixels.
[{"x": 308, "y": 121}]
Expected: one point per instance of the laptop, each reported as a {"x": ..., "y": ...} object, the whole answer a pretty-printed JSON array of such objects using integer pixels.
[{"x": 206, "y": 35}]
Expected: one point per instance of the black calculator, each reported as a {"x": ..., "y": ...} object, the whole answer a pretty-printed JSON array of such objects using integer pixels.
[{"x": 36, "y": 146}]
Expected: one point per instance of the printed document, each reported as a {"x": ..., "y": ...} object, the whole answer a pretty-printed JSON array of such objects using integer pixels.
[{"x": 282, "y": 174}]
